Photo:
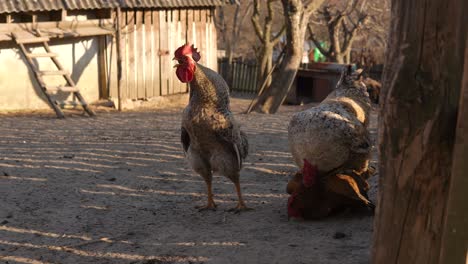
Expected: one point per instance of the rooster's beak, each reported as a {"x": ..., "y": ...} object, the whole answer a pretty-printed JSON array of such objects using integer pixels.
[{"x": 177, "y": 65}]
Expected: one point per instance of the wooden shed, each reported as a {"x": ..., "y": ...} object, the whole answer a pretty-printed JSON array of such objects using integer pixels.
[{"x": 82, "y": 36}]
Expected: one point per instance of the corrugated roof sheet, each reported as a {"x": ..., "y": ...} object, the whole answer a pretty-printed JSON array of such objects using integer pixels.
[
  {"x": 12, "y": 6},
  {"x": 90, "y": 4},
  {"x": 170, "y": 3}
]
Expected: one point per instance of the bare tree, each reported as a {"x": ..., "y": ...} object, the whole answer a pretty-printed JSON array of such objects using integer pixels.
[
  {"x": 422, "y": 84},
  {"x": 342, "y": 27},
  {"x": 296, "y": 14},
  {"x": 268, "y": 40}
]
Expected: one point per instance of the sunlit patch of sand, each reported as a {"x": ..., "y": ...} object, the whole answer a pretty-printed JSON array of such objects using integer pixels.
[
  {"x": 23, "y": 178},
  {"x": 40, "y": 233},
  {"x": 16, "y": 259},
  {"x": 112, "y": 255}
]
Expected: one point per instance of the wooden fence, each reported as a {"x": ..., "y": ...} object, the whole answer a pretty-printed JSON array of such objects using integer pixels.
[
  {"x": 150, "y": 37},
  {"x": 244, "y": 75}
]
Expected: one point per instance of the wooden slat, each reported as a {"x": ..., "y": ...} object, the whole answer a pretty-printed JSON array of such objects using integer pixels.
[
  {"x": 68, "y": 103},
  {"x": 191, "y": 31},
  {"x": 124, "y": 50},
  {"x": 201, "y": 37},
  {"x": 148, "y": 54},
  {"x": 213, "y": 41},
  {"x": 172, "y": 35},
  {"x": 179, "y": 40},
  {"x": 184, "y": 37},
  {"x": 32, "y": 40},
  {"x": 173, "y": 45},
  {"x": 234, "y": 76},
  {"x": 131, "y": 67},
  {"x": 62, "y": 88},
  {"x": 155, "y": 53},
  {"x": 140, "y": 52},
  {"x": 198, "y": 32},
  {"x": 41, "y": 55},
  {"x": 164, "y": 47}
]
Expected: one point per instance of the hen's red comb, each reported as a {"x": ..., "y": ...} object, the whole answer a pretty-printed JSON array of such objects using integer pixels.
[
  {"x": 187, "y": 49},
  {"x": 309, "y": 174}
]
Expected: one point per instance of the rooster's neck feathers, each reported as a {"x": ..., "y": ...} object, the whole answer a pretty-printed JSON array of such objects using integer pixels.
[{"x": 208, "y": 89}]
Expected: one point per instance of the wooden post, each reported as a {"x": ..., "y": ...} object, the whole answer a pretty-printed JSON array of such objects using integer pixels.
[
  {"x": 455, "y": 236},
  {"x": 119, "y": 58},
  {"x": 102, "y": 67},
  {"x": 420, "y": 100}
]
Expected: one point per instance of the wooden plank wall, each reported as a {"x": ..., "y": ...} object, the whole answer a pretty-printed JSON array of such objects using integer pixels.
[{"x": 150, "y": 37}]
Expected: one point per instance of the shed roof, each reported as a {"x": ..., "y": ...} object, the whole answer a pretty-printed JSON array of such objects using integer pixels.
[
  {"x": 90, "y": 4},
  {"x": 12, "y": 6},
  {"x": 170, "y": 3}
]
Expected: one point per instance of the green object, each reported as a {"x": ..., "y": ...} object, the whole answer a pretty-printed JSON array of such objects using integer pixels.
[{"x": 318, "y": 56}]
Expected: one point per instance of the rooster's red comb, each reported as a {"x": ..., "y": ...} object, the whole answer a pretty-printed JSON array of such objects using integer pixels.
[
  {"x": 187, "y": 49},
  {"x": 309, "y": 174}
]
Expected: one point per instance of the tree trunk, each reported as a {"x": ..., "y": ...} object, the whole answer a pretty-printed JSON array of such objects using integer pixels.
[
  {"x": 422, "y": 82},
  {"x": 296, "y": 18},
  {"x": 265, "y": 65},
  {"x": 338, "y": 58}
]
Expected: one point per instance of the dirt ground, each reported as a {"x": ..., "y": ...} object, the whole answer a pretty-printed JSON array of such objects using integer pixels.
[{"x": 116, "y": 189}]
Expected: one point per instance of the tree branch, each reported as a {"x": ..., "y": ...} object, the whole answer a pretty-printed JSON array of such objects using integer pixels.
[
  {"x": 311, "y": 6},
  {"x": 317, "y": 43},
  {"x": 352, "y": 34},
  {"x": 277, "y": 37},
  {"x": 256, "y": 21}
]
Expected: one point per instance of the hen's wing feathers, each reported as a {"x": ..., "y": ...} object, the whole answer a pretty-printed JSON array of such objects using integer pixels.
[
  {"x": 347, "y": 186},
  {"x": 185, "y": 139}
]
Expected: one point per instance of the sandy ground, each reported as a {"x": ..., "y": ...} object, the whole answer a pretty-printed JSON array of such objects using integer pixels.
[{"x": 116, "y": 189}]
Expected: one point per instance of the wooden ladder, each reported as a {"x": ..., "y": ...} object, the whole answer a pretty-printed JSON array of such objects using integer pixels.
[{"x": 46, "y": 89}]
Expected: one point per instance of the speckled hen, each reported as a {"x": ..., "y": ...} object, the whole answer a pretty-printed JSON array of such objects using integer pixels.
[
  {"x": 334, "y": 136},
  {"x": 211, "y": 138}
]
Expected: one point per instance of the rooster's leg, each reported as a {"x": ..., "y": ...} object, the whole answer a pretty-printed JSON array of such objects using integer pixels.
[
  {"x": 240, "y": 205},
  {"x": 211, "y": 204}
]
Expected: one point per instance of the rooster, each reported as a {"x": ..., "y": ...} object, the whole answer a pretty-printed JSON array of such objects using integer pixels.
[
  {"x": 314, "y": 196},
  {"x": 210, "y": 136},
  {"x": 333, "y": 136}
]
